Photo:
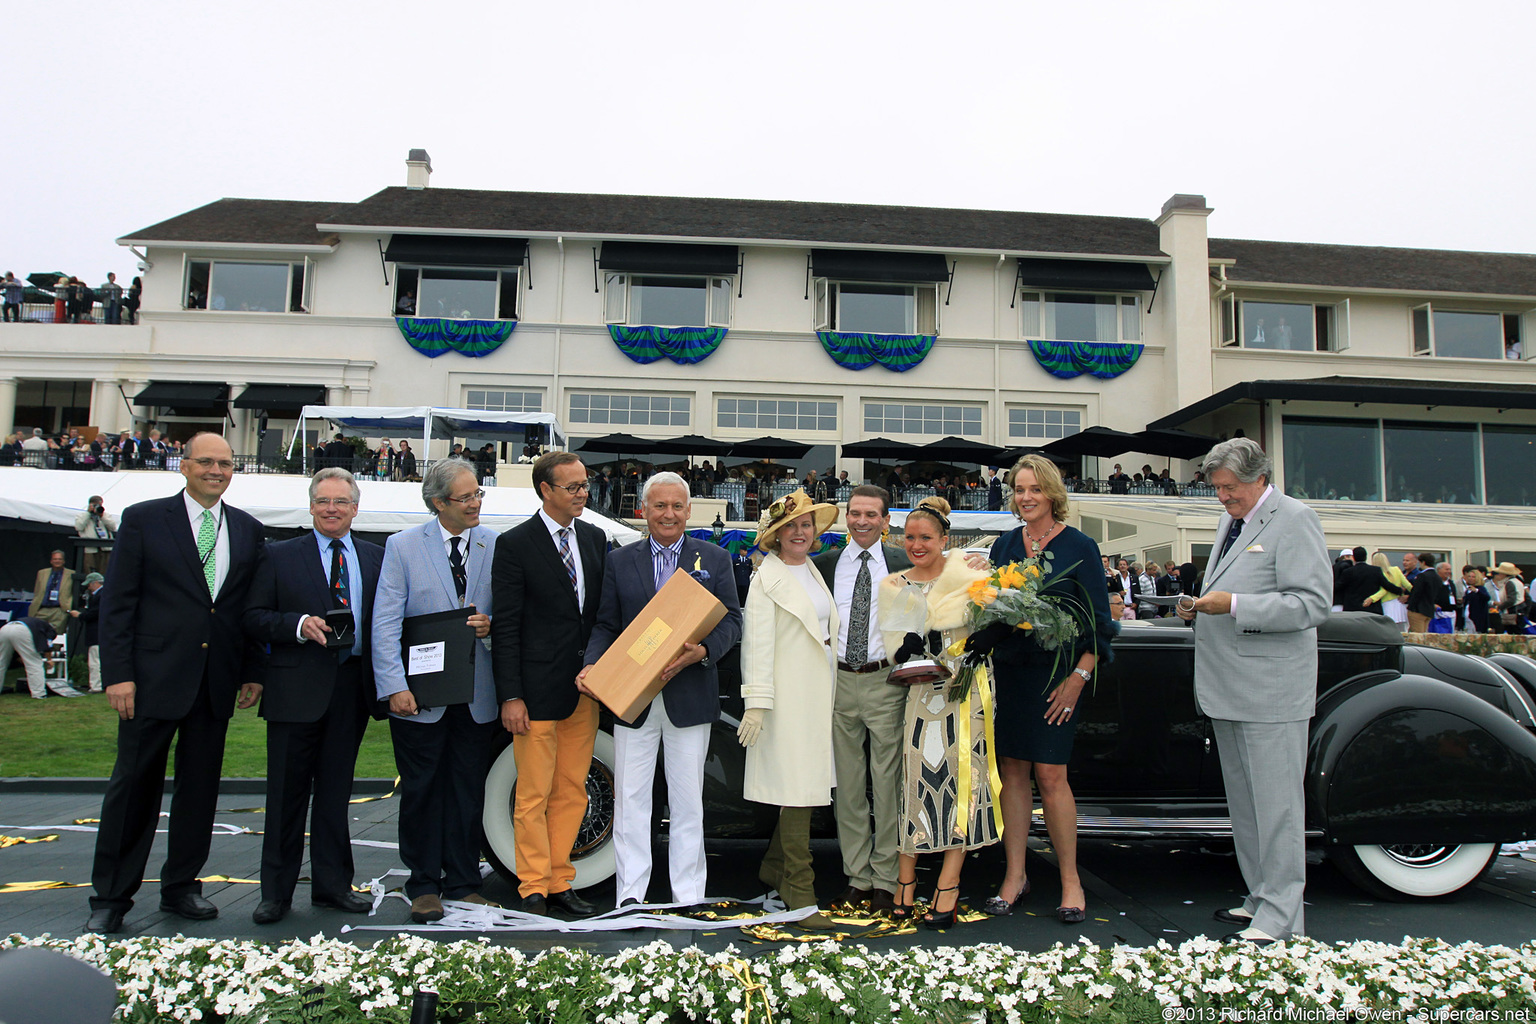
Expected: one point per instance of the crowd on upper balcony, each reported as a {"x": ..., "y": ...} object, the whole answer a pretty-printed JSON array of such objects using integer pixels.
[
  {"x": 69, "y": 300},
  {"x": 73, "y": 449}
]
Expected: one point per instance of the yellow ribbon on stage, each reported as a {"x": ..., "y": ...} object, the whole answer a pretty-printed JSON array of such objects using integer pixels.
[
  {"x": 371, "y": 799},
  {"x": 979, "y": 688},
  {"x": 742, "y": 972},
  {"x": 18, "y": 840}
]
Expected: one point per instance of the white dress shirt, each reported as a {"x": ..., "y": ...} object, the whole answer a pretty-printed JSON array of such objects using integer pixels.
[
  {"x": 221, "y": 538},
  {"x": 554, "y": 535},
  {"x": 842, "y": 591}
]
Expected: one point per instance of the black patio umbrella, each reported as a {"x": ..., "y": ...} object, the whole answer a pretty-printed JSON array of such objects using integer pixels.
[
  {"x": 1101, "y": 442},
  {"x": 881, "y": 449},
  {"x": 1014, "y": 455},
  {"x": 45, "y": 281},
  {"x": 961, "y": 450},
  {"x": 691, "y": 444},
  {"x": 769, "y": 448},
  {"x": 1175, "y": 444},
  {"x": 618, "y": 444}
]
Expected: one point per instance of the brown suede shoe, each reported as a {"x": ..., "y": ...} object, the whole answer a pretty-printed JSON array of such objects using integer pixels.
[
  {"x": 426, "y": 909},
  {"x": 881, "y": 899},
  {"x": 816, "y": 922}
]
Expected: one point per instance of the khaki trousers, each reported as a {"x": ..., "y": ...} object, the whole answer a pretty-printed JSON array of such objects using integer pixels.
[
  {"x": 1418, "y": 623},
  {"x": 552, "y": 763},
  {"x": 866, "y": 705}
]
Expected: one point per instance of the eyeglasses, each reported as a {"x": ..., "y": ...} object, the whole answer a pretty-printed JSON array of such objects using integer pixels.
[
  {"x": 575, "y": 489},
  {"x": 476, "y": 496},
  {"x": 331, "y": 502},
  {"x": 224, "y": 464}
]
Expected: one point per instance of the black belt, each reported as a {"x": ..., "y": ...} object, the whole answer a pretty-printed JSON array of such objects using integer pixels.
[{"x": 867, "y": 667}]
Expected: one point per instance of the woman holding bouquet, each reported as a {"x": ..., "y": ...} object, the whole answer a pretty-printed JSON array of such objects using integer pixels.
[
  {"x": 1038, "y": 690},
  {"x": 947, "y": 767}
]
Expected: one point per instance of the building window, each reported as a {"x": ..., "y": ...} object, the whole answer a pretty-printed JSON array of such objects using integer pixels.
[
  {"x": 1079, "y": 316},
  {"x": 504, "y": 401},
  {"x": 936, "y": 420},
  {"x": 631, "y": 410},
  {"x": 1037, "y": 425},
  {"x": 775, "y": 414},
  {"x": 1286, "y": 326},
  {"x": 1459, "y": 335},
  {"x": 243, "y": 287},
  {"x": 665, "y": 301},
  {"x": 1433, "y": 462},
  {"x": 855, "y": 308},
  {"x": 1332, "y": 458},
  {"x": 1509, "y": 464},
  {"x": 457, "y": 293}
]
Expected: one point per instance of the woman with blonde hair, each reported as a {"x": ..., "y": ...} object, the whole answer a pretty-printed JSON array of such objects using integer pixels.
[
  {"x": 1390, "y": 603},
  {"x": 1039, "y": 691},
  {"x": 948, "y": 766}
]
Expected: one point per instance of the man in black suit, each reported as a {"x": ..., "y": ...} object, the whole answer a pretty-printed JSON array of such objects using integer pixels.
[
  {"x": 316, "y": 697},
  {"x": 339, "y": 453},
  {"x": 547, "y": 584},
  {"x": 173, "y": 657},
  {"x": 994, "y": 490}
]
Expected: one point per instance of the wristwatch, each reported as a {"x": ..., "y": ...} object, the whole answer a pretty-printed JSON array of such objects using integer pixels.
[
  {"x": 704, "y": 660},
  {"x": 1087, "y": 675}
]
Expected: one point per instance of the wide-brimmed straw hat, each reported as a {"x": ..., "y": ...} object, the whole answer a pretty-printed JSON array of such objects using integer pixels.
[
  {"x": 1505, "y": 569},
  {"x": 793, "y": 506}
]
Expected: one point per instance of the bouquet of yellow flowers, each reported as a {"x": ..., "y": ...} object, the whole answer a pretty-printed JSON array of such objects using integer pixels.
[{"x": 1011, "y": 598}]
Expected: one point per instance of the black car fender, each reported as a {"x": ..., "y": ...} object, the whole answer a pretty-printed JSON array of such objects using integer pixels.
[{"x": 1409, "y": 759}]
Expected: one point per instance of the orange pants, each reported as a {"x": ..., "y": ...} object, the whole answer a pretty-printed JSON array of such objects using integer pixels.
[{"x": 552, "y": 763}]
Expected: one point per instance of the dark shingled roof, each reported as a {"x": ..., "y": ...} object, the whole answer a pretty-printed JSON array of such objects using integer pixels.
[
  {"x": 448, "y": 209},
  {"x": 271, "y": 221},
  {"x": 1371, "y": 266}
]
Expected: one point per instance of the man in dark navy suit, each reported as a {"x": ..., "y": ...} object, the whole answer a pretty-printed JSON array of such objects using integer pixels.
[
  {"x": 679, "y": 720},
  {"x": 317, "y": 693},
  {"x": 173, "y": 658}
]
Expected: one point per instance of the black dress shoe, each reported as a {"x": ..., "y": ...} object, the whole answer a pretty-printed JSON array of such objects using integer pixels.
[
  {"x": 270, "y": 911},
  {"x": 105, "y": 921},
  {"x": 191, "y": 906},
  {"x": 1227, "y": 917},
  {"x": 346, "y": 902},
  {"x": 853, "y": 896},
  {"x": 571, "y": 903},
  {"x": 534, "y": 903}
]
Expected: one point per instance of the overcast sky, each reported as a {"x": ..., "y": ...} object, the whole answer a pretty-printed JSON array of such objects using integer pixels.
[{"x": 1384, "y": 123}]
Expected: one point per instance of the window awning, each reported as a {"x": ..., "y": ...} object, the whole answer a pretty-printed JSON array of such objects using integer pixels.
[
  {"x": 1356, "y": 391},
  {"x": 288, "y": 398},
  {"x": 859, "y": 265},
  {"x": 667, "y": 258},
  {"x": 1086, "y": 275},
  {"x": 454, "y": 251},
  {"x": 197, "y": 396}
]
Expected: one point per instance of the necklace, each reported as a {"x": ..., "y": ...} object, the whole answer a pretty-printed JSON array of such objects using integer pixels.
[{"x": 1035, "y": 542}]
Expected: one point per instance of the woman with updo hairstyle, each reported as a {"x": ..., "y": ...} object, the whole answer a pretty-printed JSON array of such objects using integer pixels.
[
  {"x": 947, "y": 765},
  {"x": 1040, "y": 692}
]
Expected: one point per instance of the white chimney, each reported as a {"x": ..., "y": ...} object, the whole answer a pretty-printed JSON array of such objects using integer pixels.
[{"x": 418, "y": 169}]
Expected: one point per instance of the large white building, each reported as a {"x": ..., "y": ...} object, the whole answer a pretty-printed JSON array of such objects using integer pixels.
[{"x": 1371, "y": 374}]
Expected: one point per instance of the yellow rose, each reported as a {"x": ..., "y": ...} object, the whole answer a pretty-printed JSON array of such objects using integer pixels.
[
  {"x": 1024, "y": 625},
  {"x": 981, "y": 594}
]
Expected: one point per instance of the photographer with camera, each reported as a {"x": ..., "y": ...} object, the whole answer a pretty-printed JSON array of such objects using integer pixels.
[{"x": 97, "y": 523}]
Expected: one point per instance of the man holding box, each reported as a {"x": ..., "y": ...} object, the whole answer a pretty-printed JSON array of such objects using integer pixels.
[
  {"x": 547, "y": 580},
  {"x": 689, "y": 702}
]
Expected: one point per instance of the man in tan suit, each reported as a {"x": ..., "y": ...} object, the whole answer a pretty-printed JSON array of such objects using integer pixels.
[{"x": 54, "y": 593}]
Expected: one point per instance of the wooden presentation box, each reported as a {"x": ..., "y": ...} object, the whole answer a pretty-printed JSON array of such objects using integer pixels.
[{"x": 628, "y": 675}]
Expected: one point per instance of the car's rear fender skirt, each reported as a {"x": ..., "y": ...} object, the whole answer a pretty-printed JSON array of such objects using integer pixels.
[{"x": 1413, "y": 760}]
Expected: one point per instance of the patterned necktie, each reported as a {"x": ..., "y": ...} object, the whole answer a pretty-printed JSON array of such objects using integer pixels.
[
  {"x": 668, "y": 566},
  {"x": 567, "y": 557},
  {"x": 207, "y": 536},
  {"x": 1232, "y": 534},
  {"x": 858, "y": 618},
  {"x": 341, "y": 589},
  {"x": 456, "y": 563}
]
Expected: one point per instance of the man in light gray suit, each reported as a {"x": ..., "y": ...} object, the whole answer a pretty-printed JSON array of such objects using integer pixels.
[
  {"x": 1267, "y": 589},
  {"x": 442, "y": 753}
]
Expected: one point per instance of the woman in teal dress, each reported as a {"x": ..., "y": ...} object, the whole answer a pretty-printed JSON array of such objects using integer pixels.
[{"x": 1038, "y": 691}]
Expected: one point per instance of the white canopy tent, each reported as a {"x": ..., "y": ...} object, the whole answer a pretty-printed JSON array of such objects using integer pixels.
[
  {"x": 429, "y": 422},
  {"x": 58, "y": 496}
]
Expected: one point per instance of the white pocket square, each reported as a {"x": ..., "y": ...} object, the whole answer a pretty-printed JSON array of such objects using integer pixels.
[{"x": 1254, "y": 547}]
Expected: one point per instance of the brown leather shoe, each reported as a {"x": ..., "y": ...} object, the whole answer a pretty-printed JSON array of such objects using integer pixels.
[
  {"x": 426, "y": 908},
  {"x": 881, "y": 899},
  {"x": 478, "y": 900},
  {"x": 852, "y": 896}
]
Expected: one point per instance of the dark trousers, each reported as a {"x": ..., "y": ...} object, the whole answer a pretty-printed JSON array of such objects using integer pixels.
[
  {"x": 442, "y": 769},
  {"x": 313, "y": 757},
  {"x": 12, "y": 311},
  {"x": 131, "y": 808}
]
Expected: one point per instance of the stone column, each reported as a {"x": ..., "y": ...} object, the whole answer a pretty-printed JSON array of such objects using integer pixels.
[
  {"x": 7, "y": 405},
  {"x": 1185, "y": 297},
  {"x": 106, "y": 405},
  {"x": 240, "y": 437}
]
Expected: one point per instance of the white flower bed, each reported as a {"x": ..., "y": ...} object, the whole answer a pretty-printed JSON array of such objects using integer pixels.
[{"x": 243, "y": 982}]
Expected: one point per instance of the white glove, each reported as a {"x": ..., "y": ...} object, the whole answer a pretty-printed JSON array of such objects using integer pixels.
[{"x": 751, "y": 726}]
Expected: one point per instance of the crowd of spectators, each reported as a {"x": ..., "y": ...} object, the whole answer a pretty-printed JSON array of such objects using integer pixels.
[
  {"x": 70, "y": 301},
  {"x": 72, "y": 449}
]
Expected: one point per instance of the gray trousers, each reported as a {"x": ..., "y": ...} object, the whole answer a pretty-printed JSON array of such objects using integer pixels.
[
  {"x": 867, "y": 705},
  {"x": 1264, "y": 767}
]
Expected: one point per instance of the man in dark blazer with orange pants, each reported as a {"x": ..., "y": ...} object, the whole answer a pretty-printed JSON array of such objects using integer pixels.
[
  {"x": 173, "y": 658},
  {"x": 316, "y": 698},
  {"x": 547, "y": 583}
]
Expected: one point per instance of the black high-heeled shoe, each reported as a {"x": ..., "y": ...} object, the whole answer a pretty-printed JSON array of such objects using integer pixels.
[
  {"x": 936, "y": 920},
  {"x": 902, "y": 910}
]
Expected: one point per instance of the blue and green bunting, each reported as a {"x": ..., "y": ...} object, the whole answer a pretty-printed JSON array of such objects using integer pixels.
[
  {"x": 432, "y": 337},
  {"x": 683, "y": 345},
  {"x": 1067, "y": 359},
  {"x": 899, "y": 352}
]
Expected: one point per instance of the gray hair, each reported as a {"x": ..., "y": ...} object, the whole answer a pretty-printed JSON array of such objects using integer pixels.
[
  {"x": 663, "y": 480},
  {"x": 1241, "y": 455},
  {"x": 438, "y": 480},
  {"x": 334, "y": 473}
]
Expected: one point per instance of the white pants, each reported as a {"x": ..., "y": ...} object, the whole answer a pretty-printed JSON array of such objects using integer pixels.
[
  {"x": 17, "y": 636},
  {"x": 93, "y": 666},
  {"x": 635, "y": 750}
]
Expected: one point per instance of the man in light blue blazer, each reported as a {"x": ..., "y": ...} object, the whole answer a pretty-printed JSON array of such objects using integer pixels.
[
  {"x": 442, "y": 754},
  {"x": 1267, "y": 588}
]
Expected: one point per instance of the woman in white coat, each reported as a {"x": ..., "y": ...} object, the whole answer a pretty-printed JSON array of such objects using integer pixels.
[{"x": 788, "y": 669}]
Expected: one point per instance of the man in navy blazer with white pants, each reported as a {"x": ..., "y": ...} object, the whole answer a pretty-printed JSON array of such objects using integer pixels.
[{"x": 689, "y": 703}]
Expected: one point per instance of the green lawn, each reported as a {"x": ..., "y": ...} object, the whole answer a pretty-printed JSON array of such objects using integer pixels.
[{"x": 78, "y": 737}]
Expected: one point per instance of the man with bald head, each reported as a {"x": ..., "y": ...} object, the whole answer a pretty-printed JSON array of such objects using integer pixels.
[{"x": 175, "y": 663}]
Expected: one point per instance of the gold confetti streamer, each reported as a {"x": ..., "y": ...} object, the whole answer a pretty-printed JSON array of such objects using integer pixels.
[
  {"x": 371, "y": 799},
  {"x": 17, "y": 840}
]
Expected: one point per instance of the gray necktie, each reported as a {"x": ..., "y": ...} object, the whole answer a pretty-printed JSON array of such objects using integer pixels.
[{"x": 858, "y": 618}]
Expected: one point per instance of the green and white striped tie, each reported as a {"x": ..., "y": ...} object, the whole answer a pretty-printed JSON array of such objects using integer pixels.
[{"x": 207, "y": 535}]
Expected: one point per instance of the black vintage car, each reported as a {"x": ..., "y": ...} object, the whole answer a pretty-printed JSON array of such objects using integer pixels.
[{"x": 1421, "y": 761}]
